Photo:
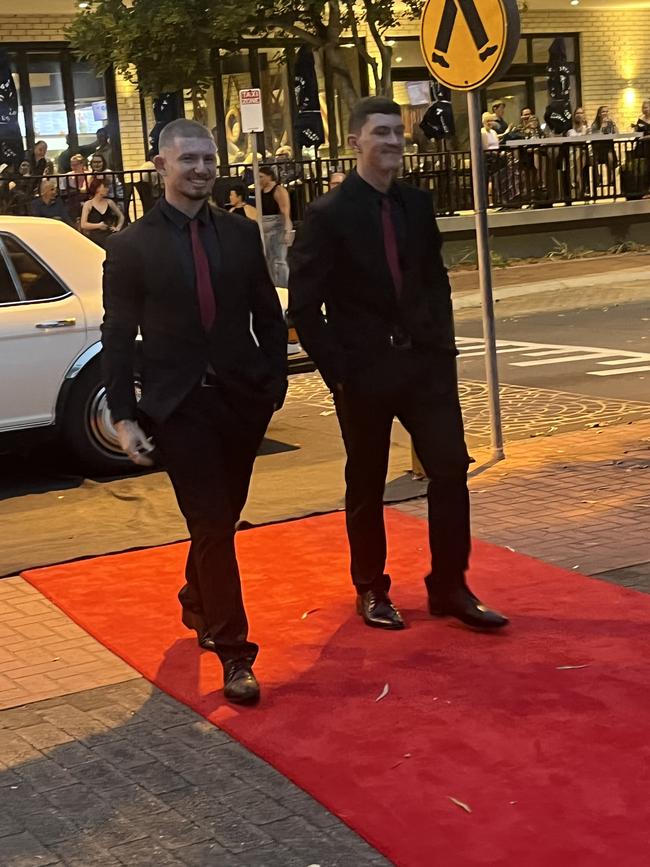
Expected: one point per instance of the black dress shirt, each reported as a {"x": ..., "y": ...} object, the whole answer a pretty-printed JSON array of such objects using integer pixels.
[
  {"x": 372, "y": 199},
  {"x": 207, "y": 234}
]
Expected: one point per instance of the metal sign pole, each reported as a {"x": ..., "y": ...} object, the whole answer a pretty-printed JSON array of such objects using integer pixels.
[
  {"x": 258, "y": 188},
  {"x": 479, "y": 185}
]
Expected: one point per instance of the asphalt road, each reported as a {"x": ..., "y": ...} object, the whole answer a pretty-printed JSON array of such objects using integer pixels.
[{"x": 601, "y": 352}]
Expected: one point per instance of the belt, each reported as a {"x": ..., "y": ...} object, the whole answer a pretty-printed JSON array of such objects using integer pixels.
[{"x": 209, "y": 380}]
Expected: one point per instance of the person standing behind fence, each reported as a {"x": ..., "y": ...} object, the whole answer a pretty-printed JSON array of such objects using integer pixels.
[
  {"x": 100, "y": 216},
  {"x": 238, "y": 204},
  {"x": 37, "y": 158},
  {"x": 277, "y": 225},
  {"x": 604, "y": 153},
  {"x": 579, "y": 154},
  {"x": 370, "y": 253},
  {"x": 642, "y": 149},
  {"x": 49, "y": 204}
]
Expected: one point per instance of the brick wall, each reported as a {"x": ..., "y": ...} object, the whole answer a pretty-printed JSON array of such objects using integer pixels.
[
  {"x": 51, "y": 28},
  {"x": 614, "y": 55}
]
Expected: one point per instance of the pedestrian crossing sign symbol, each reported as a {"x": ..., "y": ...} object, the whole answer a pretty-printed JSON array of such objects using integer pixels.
[{"x": 467, "y": 43}]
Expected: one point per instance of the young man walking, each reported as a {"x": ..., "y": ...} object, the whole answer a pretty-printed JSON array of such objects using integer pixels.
[
  {"x": 369, "y": 252},
  {"x": 194, "y": 281}
]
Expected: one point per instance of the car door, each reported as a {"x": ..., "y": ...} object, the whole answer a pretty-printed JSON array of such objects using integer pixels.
[{"x": 42, "y": 330}]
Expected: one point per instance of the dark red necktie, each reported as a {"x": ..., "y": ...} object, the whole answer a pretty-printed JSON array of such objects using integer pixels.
[
  {"x": 390, "y": 244},
  {"x": 203, "y": 281}
]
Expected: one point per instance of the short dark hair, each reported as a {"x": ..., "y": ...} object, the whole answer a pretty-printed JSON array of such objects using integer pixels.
[
  {"x": 498, "y": 104},
  {"x": 269, "y": 171},
  {"x": 182, "y": 128},
  {"x": 238, "y": 188},
  {"x": 362, "y": 110}
]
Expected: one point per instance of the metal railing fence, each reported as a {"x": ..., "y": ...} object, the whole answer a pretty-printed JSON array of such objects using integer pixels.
[{"x": 536, "y": 173}]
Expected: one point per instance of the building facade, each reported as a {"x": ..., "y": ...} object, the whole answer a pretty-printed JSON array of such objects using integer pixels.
[{"x": 59, "y": 96}]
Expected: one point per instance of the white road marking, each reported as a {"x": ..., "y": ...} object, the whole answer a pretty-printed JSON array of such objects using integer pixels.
[
  {"x": 540, "y": 354},
  {"x": 616, "y": 372}
]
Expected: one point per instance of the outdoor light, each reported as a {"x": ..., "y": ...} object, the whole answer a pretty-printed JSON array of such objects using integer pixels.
[
  {"x": 575, "y": 2},
  {"x": 398, "y": 60}
]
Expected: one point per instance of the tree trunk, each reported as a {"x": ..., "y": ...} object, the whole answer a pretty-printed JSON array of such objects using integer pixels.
[{"x": 332, "y": 138}]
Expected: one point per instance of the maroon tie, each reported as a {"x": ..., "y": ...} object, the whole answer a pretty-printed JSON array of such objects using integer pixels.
[
  {"x": 203, "y": 282},
  {"x": 390, "y": 244}
]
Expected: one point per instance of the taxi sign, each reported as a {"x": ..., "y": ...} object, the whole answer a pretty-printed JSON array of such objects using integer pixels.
[
  {"x": 468, "y": 43},
  {"x": 250, "y": 107}
]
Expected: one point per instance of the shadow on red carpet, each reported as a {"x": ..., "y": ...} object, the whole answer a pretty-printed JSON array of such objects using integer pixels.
[{"x": 551, "y": 759}]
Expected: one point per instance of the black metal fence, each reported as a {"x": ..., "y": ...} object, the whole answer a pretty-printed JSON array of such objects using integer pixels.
[{"x": 535, "y": 174}]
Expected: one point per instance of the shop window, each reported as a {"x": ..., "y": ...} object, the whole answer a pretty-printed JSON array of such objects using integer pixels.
[
  {"x": 90, "y": 109},
  {"x": 49, "y": 118},
  {"x": 60, "y": 97}
]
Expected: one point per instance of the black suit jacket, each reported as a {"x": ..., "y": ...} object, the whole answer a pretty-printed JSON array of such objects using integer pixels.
[
  {"x": 149, "y": 285},
  {"x": 338, "y": 260}
]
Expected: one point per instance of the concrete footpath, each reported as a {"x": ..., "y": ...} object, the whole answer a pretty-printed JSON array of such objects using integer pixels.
[
  {"x": 97, "y": 767},
  {"x": 563, "y": 282}
]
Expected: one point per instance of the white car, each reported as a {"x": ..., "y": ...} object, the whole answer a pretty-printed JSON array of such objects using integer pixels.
[{"x": 50, "y": 314}]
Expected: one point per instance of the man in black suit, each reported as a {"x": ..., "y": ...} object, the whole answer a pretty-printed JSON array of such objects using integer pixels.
[
  {"x": 194, "y": 280},
  {"x": 370, "y": 252}
]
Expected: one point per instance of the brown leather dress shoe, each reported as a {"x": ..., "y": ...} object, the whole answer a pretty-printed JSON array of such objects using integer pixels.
[
  {"x": 239, "y": 683},
  {"x": 377, "y": 610}
]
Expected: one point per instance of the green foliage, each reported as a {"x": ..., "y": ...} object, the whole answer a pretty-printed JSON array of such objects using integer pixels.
[
  {"x": 165, "y": 45},
  {"x": 159, "y": 45}
]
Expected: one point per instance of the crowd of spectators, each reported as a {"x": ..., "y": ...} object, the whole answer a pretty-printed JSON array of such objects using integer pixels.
[
  {"x": 81, "y": 189},
  {"x": 529, "y": 172}
]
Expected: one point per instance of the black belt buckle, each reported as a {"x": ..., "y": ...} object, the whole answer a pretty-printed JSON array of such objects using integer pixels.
[{"x": 400, "y": 341}]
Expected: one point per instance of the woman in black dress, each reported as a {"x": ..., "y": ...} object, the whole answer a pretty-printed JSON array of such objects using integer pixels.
[{"x": 100, "y": 216}]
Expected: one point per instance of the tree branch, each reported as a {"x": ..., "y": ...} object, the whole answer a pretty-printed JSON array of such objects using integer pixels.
[{"x": 292, "y": 30}]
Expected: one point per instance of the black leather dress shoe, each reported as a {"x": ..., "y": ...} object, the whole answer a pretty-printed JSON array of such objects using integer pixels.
[
  {"x": 194, "y": 621},
  {"x": 377, "y": 610},
  {"x": 464, "y": 606},
  {"x": 239, "y": 683}
]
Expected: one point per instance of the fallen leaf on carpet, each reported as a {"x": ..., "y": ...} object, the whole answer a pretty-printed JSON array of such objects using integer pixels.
[
  {"x": 306, "y": 614},
  {"x": 570, "y": 667},
  {"x": 383, "y": 693},
  {"x": 460, "y": 804},
  {"x": 407, "y": 755},
  {"x": 511, "y": 549},
  {"x": 512, "y": 803},
  {"x": 576, "y": 567}
]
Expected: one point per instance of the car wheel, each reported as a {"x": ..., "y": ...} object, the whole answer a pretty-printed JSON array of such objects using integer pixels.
[{"x": 87, "y": 428}]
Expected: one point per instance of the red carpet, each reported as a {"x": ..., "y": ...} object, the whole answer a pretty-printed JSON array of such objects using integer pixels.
[{"x": 552, "y": 761}]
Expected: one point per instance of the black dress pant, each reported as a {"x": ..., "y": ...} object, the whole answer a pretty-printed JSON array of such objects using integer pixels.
[
  {"x": 208, "y": 446},
  {"x": 421, "y": 390}
]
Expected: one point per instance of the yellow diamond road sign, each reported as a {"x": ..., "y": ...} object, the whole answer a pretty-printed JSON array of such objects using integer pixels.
[{"x": 467, "y": 43}]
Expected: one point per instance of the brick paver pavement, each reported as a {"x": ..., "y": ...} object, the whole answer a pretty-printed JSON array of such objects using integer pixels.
[
  {"x": 44, "y": 654},
  {"x": 123, "y": 774},
  {"x": 579, "y": 500}
]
